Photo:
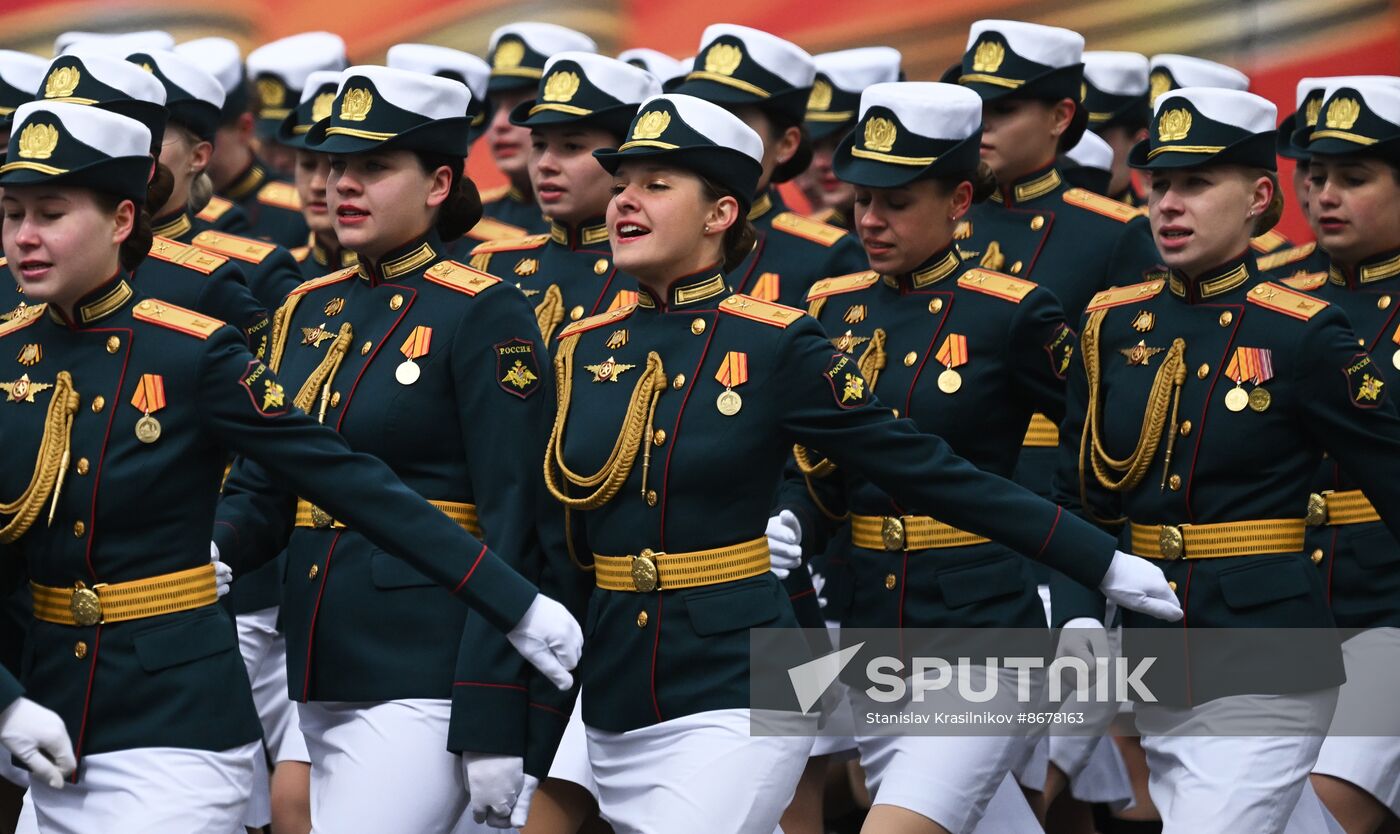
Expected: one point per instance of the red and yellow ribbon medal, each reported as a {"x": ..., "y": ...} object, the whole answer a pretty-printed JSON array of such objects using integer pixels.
[
  {"x": 414, "y": 346},
  {"x": 952, "y": 355},
  {"x": 1395, "y": 357},
  {"x": 148, "y": 399},
  {"x": 733, "y": 372},
  {"x": 1255, "y": 365}
]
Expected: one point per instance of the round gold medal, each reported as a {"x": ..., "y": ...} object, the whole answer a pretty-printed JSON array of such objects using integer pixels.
[
  {"x": 1237, "y": 399},
  {"x": 729, "y": 403},
  {"x": 1260, "y": 398},
  {"x": 148, "y": 429},
  {"x": 407, "y": 372},
  {"x": 949, "y": 381}
]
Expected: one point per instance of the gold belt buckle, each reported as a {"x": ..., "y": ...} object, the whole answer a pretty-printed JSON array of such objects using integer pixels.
[
  {"x": 1317, "y": 510},
  {"x": 892, "y": 533},
  {"x": 85, "y": 605},
  {"x": 644, "y": 574},
  {"x": 320, "y": 519},
  {"x": 1171, "y": 541}
]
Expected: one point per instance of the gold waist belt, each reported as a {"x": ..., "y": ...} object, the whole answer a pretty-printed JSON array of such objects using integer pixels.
[
  {"x": 907, "y": 532},
  {"x": 1041, "y": 432},
  {"x": 1336, "y": 508},
  {"x": 120, "y": 601},
  {"x": 651, "y": 571},
  {"x": 1215, "y": 541},
  {"x": 310, "y": 515}
]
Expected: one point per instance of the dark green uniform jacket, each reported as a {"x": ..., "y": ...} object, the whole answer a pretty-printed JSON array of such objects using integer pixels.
[
  {"x": 1009, "y": 350},
  {"x": 131, "y": 510},
  {"x": 271, "y": 206},
  {"x": 792, "y": 253},
  {"x": 442, "y": 378},
  {"x": 508, "y": 205},
  {"x": 711, "y": 477},
  {"x": 1360, "y": 562},
  {"x": 567, "y": 274},
  {"x": 1247, "y": 463},
  {"x": 271, "y": 270}
]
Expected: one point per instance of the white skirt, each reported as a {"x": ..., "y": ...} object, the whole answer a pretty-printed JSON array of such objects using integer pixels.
[
  {"x": 382, "y": 766},
  {"x": 1371, "y": 762},
  {"x": 264, "y": 653},
  {"x": 150, "y": 790},
  {"x": 571, "y": 758},
  {"x": 700, "y": 774},
  {"x": 1202, "y": 781}
]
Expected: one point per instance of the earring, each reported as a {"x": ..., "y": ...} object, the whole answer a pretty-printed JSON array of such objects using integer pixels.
[{"x": 707, "y": 228}]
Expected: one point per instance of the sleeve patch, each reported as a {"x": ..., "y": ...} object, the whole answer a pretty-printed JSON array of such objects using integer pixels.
[
  {"x": 1364, "y": 382},
  {"x": 266, "y": 393},
  {"x": 517, "y": 367},
  {"x": 1060, "y": 349},
  {"x": 847, "y": 385}
]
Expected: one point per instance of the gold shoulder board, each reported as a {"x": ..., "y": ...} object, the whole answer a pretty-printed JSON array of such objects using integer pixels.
[
  {"x": 301, "y": 253},
  {"x": 808, "y": 229},
  {"x": 1305, "y": 281},
  {"x": 1099, "y": 204},
  {"x": 492, "y": 195},
  {"x": 216, "y": 207},
  {"x": 26, "y": 317},
  {"x": 512, "y": 244},
  {"x": 4, "y": 261},
  {"x": 233, "y": 246},
  {"x": 593, "y": 322},
  {"x": 171, "y": 317},
  {"x": 1281, "y": 299},
  {"x": 489, "y": 228},
  {"x": 842, "y": 284},
  {"x": 460, "y": 277},
  {"x": 332, "y": 278},
  {"x": 748, "y": 307},
  {"x": 280, "y": 194},
  {"x": 1124, "y": 295},
  {"x": 996, "y": 284},
  {"x": 1284, "y": 257},
  {"x": 1270, "y": 241},
  {"x": 190, "y": 257}
]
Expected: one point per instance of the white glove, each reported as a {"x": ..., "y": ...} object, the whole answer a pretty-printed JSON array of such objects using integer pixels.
[
  {"x": 223, "y": 574},
  {"x": 38, "y": 738},
  {"x": 784, "y": 543},
  {"x": 818, "y": 583},
  {"x": 549, "y": 637},
  {"x": 521, "y": 814},
  {"x": 495, "y": 785},
  {"x": 1138, "y": 585},
  {"x": 1086, "y": 639}
]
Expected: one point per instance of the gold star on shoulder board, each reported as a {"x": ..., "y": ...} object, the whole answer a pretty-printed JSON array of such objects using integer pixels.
[
  {"x": 314, "y": 336},
  {"x": 11, "y": 315},
  {"x": 608, "y": 371},
  {"x": 1140, "y": 353},
  {"x": 22, "y": 390}
]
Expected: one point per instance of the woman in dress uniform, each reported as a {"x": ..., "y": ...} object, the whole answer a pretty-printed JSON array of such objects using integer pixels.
[
  {"x": 675, "y": 418},
  {"x": 969, "y": 355},
  {"x": 584, "y": 102},
  {"x": 1196, "y": 420},
  {"x": 1353, "y": 167},
  {"x": 831, "y": 113},
  {"x": 767, "y": 82},
  {"x": 517, "y": 54},
  {"x": 128, "y": 405},
  {"x": 322, "y": 253},
  {"x": 437, "y": 369}
]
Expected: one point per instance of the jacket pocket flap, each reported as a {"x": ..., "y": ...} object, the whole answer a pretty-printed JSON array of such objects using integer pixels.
[
  {"x": 207, "y": 633},
  {"x": 1262, "y": 580},
  {"x": 732, "y": 607},
  {"x": 390, "y": 572},
  {"x": 989, "y": 580}
]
